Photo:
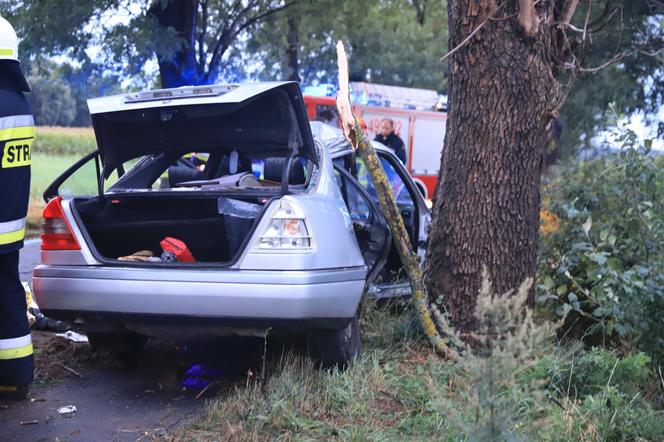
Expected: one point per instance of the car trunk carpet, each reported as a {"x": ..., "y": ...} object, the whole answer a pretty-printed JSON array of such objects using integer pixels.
[{"x": 213, "y": 228}]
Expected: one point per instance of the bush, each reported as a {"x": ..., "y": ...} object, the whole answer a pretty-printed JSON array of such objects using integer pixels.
[
  {"x": 593, "y": 371},
  {"x": 604, "y": 261}
]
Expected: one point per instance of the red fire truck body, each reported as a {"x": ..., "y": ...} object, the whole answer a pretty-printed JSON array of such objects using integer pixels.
[{"x": 423, "y": 132}]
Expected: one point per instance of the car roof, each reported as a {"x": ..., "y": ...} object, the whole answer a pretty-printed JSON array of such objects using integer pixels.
[{"x": 334, "y": 140}]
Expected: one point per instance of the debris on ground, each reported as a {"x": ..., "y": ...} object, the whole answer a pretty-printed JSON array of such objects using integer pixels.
[
  {"x": 73, "y": 336},
  {"x": 67, "y": 410},
  {"x": 57, "y": 356}
]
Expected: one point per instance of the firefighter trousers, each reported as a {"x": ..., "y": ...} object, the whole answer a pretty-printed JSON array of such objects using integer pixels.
[{"x": 16, "y": 364}]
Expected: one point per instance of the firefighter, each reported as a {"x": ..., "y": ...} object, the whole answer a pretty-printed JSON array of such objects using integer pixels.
[
  {"x": 16, "y": 137},
  {"x": 388, "y": 137}
]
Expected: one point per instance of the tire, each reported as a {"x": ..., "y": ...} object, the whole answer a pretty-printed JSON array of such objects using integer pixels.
[{"x": 335, "y": 348}]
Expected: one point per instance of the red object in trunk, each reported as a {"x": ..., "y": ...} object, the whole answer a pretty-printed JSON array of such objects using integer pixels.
[{"x": 178, "y": 248}]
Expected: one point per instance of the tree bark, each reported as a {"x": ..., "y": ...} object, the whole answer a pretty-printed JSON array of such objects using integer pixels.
[{"x": 486, "y": 208}]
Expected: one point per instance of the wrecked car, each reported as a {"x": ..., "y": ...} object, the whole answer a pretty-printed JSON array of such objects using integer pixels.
[{"x": 213, "y": 210}]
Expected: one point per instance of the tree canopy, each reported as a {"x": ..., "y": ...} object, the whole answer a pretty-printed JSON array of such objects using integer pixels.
[
  {"x": 397, "y": 42},
  {"x": 618, "y": 59},
  {"x": 389, "y": 41}
]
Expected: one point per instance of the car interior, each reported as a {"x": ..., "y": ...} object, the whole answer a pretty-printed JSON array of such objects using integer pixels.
[{"x": 392, "y": 270}]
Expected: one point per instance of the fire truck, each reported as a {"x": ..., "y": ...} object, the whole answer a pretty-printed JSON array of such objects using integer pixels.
[{"x": 419, "y": 119}]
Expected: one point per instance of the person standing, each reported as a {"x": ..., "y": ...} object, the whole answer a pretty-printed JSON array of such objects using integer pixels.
[
  {"x": 16, "y": 136},
  {"x": 387, "y": 137}
]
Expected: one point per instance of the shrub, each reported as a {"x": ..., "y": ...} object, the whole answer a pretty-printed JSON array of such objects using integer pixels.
[
  {"x": 593, "y": 371},
  {"x": 604, "y": 262}
]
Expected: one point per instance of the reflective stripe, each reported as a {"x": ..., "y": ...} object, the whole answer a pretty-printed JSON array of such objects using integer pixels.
[
  {"x": 12, "y": 231},
  {"x": 6, "y": 52},
  {"x": 10, "y": 226},
  {"x": 15, "y": 348},
  {"x": 8, "y": 238},
  {"x": 17, "y": 132},
  {"x": 16, "y": 353},
  {"x": 8, "y": 344},
  {"x": 16, "y": 121}
]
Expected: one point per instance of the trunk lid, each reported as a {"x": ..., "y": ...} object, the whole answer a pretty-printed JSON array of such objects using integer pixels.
[{"x": 254, "y": 117}]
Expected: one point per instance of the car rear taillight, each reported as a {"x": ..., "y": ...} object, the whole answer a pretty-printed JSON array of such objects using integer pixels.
[
  {"x": 287, "y": 229},
  {"x": 56, "y": 233}
]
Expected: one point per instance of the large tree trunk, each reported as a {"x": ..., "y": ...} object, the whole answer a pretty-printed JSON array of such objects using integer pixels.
[
  {"x": 486, "y": 209},
  {"x": 182, "y": 69}
]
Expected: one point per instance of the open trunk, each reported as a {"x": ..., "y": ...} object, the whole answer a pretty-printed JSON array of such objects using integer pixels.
[{"x": 213, "y": 228}]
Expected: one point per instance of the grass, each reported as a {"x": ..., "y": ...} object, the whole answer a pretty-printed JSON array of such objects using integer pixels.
[
  {"x": 388, "y": 394},
  {"x": 55, "y": 149},
  {"x": 399, "y": 390},
  {"x": 45, "y": 169}
]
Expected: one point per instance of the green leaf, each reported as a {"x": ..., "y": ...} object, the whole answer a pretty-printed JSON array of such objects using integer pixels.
[
  {"x": 603, "y": 234},
  {"x": 562, "y": 290},
  {"x": 548, "y": 283},
  {"x": 599, "y": 258}
]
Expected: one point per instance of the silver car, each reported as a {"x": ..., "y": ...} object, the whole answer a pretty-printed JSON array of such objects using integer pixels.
[{"x": 218, "y": 210}]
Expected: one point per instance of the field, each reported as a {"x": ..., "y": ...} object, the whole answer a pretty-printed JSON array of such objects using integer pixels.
[{"x": 55, "y": 149}]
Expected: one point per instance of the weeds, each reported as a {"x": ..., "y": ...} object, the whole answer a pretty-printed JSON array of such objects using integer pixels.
[{"x": 518, "y": 385}]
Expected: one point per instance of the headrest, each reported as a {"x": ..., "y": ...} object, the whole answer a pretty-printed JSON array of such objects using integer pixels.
[
  {"x": 274, "y": 168},
  {"x": 180, "y": 174}
]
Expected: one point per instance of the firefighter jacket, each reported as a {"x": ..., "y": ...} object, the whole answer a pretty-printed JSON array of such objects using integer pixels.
[{"x": 16, "y": 136}]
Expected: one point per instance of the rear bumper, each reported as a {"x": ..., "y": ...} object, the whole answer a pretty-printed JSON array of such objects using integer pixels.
[{"x": 252, "y": 299}]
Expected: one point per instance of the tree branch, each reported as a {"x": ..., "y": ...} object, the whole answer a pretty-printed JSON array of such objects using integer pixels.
[
  {"x": 431, "y": 320},
  {"x": 568, "y": 13},
  {"x": 222, "y": 43},
  {"x": 528, "y": 18},
  {"x": 265, "y": 14},
  {"x": 201, "y": 37}
]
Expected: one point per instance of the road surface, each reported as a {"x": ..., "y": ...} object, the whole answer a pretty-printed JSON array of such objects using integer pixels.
[{"x": 114, "y": 402}]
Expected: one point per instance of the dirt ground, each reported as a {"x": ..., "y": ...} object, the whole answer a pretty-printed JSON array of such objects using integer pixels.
[{"x": 124, "y": 401}]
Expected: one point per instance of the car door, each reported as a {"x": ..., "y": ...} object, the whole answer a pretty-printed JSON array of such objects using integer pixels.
[
  {"x": 392, "y": 280},
  {"x": 414, "y": 211},
  {"x": 373, "y": 235}
]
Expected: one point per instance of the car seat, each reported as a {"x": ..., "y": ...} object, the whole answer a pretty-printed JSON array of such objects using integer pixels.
[
  {"x": 183, "y": 171},
  {"x": 274, "y": 169}
]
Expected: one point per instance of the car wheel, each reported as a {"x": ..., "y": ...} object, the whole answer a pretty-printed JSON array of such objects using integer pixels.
[{"x": 335, "y": 348}]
